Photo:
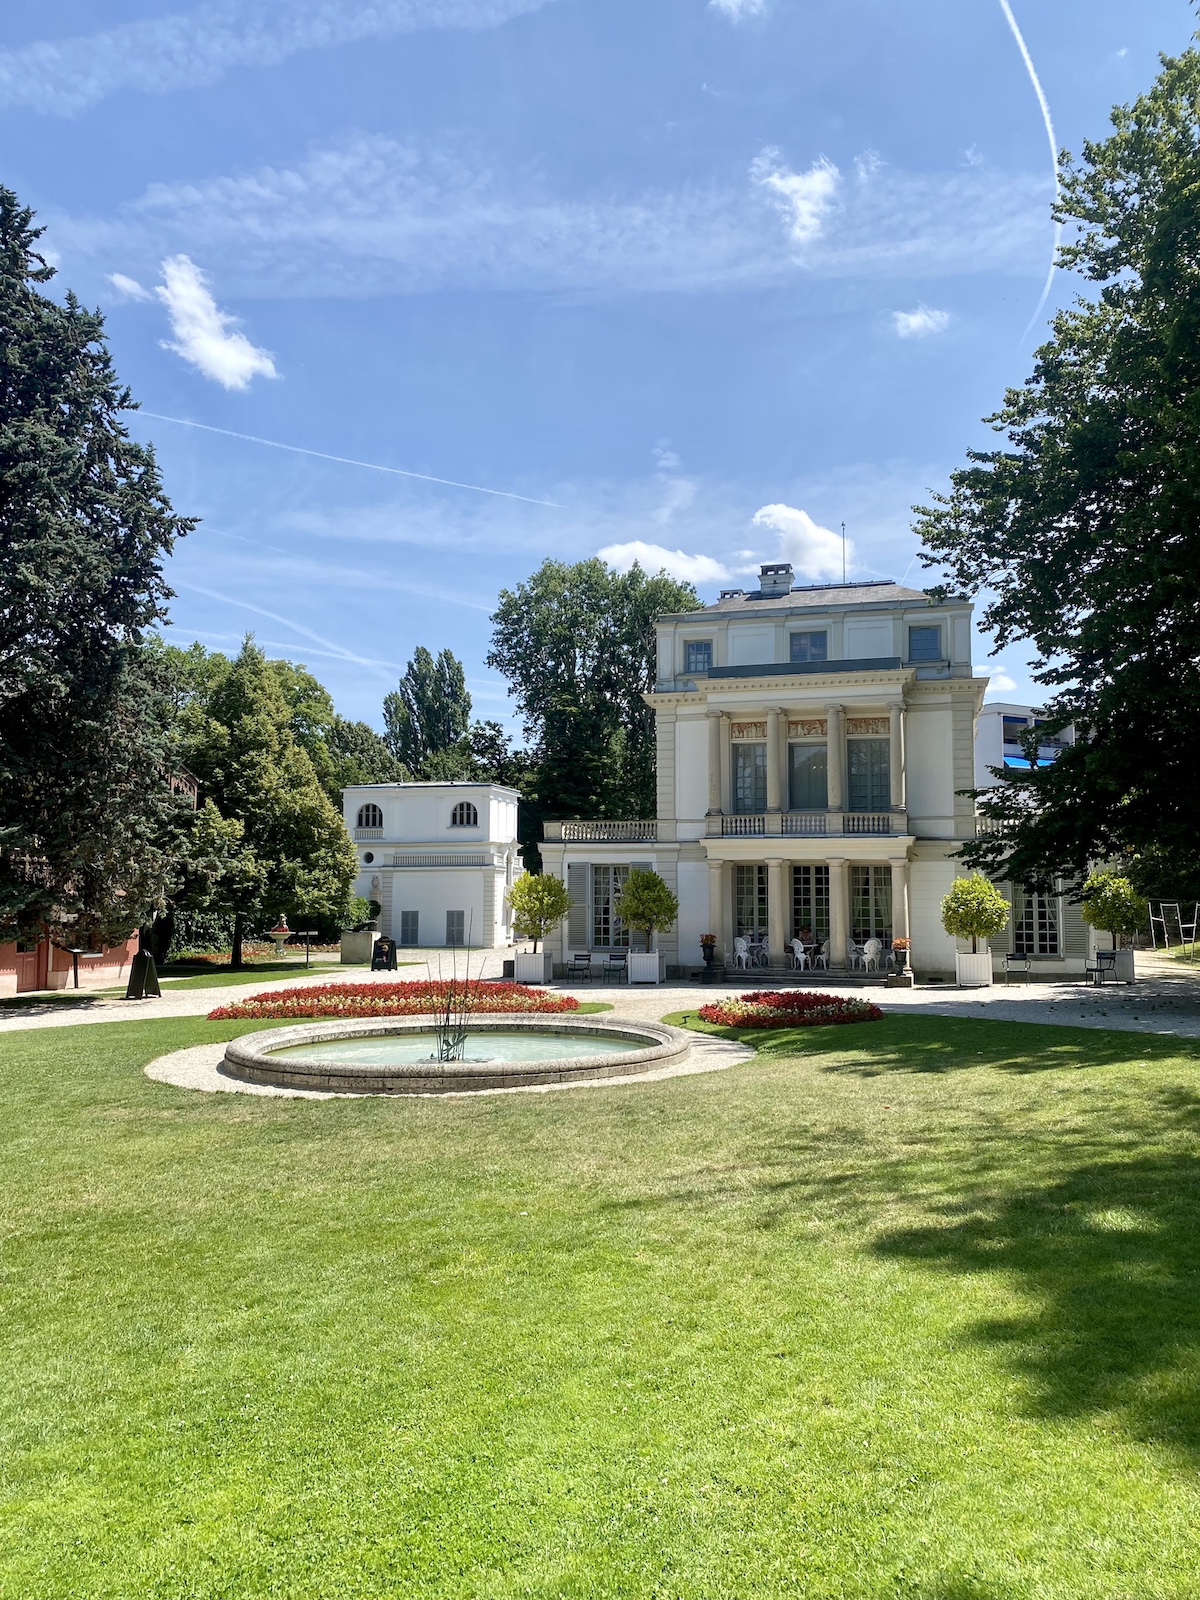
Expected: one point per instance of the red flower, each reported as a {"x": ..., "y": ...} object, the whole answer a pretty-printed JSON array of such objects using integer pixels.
[{"x": 423, "y": 998}]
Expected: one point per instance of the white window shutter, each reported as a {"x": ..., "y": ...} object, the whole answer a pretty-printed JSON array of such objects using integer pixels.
[{"x": 577, "y": 917}]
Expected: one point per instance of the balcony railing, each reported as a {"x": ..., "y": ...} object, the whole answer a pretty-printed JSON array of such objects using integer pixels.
[
  {"x": 368, "y": 833},
  {"x": 809, "y": 824},
  {"x": 602, "y": 832}
]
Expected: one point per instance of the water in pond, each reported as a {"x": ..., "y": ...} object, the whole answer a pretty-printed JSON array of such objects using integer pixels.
[{"x": 404, "y": 1048}]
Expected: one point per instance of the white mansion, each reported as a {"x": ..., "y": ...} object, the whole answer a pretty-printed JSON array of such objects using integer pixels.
[
  {"x": 813, "y": 748},
  {"x": 438, "y": 858}
]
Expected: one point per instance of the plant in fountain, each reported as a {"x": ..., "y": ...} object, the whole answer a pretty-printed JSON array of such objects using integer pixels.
[
  {"x": 455, "y": 1003},
  {"x": 538, "y": 903}
]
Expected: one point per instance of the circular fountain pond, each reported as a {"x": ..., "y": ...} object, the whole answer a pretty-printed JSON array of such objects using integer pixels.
[{"x": 398, "y": 1055}]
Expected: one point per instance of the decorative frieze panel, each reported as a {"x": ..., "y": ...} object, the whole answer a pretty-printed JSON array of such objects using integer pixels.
[
  {"x": 808, "y": 728},
  {"x": 868, "y": 725},
  {"x": 748, "y": 730}
]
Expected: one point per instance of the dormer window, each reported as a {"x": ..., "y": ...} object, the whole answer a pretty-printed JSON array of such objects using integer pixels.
[
  {"x": 464, "y": 815},
  {"x": 370, "y": 817},
  {"x": 698, "y": 655}
]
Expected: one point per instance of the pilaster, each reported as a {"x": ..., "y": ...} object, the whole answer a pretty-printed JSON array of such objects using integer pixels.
[{"x": 839, "y": 913}]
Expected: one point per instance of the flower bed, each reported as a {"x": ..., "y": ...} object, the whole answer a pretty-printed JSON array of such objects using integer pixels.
[
  {"x": 389, "y": 1000},
  {"x": 789, "y": 1008}
]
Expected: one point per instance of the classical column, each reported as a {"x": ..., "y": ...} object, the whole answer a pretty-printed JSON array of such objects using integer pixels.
[
  {"x": 715, "y": 912},
  {"x": 776, "y": 909},
  {"x": 836, "y": 740},
  {"x": 899, "y": 868},
  {"x": 726, "y": 742},
  {"x": 839, "y": 914},
  {"x": 713, "y": 719},
  {"x": 896, "y": 744},
  {"x": 774, "y": 765},
  {"x": 725, "y": 931}
]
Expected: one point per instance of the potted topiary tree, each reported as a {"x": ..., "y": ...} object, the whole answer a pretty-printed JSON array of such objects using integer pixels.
[
  {"x": 1112, "y": 904},
  {"x": 974, "y": 909},
  {"x": 538, "y": 904},
  {"x": 647, "y": 904}
]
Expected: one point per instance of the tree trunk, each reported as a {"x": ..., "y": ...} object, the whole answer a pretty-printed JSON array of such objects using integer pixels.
[{"x": 235, "y": 959}]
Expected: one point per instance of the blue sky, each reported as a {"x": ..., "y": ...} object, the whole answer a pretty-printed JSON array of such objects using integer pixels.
[{"x": 704, "y": 276}]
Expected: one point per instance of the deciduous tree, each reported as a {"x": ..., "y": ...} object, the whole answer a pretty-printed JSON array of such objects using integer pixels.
[
  {"x": 576, "y": 644},
  {"x": 429, "y": 712},
  {"x": 1083, "y": 531}
]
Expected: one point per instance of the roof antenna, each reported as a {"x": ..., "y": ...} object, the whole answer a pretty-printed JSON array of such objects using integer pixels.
[{"x": 843, "y": 555}]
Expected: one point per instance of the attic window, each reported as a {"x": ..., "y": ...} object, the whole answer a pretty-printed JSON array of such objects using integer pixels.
[{"x": 731, "y": 594}]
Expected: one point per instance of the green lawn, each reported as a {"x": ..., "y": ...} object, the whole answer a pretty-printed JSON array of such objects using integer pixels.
[{"x": 909, "y": 1309}]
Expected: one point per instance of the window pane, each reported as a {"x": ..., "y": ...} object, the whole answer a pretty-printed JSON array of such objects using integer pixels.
[
  {"x": 456, "y": 927},
  {"x": 870, "y": 903},
  {"x": 750, "y": 899},
  {"x": 870, "y": 774},
  {"x": 750, "y": 778},
  {"x": 808, "y": 777},
  {"x": 699, "y": 655},
  {"x": 1035, "y": 927},
  {"x": 810, "y": 904},
  {"x": 608, "y": 931},
  {"x": 810, "y": 647},
  {"x": 924, "y": 644}
]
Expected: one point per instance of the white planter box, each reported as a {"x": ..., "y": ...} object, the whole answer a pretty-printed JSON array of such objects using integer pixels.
[
  {"x": 1123, "y": 967},
  {"x": 356, "y": 948},
  {"x": 645, "y": 968},
  {"x": 973, "y": 971},
  {"x": 531, "y": 968}
]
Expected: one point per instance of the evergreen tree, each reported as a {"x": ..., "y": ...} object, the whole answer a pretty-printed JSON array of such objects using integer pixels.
[
  {"x": 1085, "y": 532},
  {"x": 576, "y": 644},
  {"x": 86, "y": 720},
  {"x": 246, "y": 752},
  {"x": 429, "y": 713}
]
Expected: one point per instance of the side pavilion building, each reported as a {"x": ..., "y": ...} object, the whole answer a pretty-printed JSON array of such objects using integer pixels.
[{"x": 813, "y": 744}]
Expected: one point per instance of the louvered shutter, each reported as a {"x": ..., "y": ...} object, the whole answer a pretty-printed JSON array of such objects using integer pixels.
[{"x": 577, "y": 917}]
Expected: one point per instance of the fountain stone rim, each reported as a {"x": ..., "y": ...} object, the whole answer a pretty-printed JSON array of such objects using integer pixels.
[{"x": 250, "y": 1058}]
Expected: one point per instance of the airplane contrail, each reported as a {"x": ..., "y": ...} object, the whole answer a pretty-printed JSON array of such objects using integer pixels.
[
  {"x": 1049, "y": 121},
  {"x": 347, "y": 461}
]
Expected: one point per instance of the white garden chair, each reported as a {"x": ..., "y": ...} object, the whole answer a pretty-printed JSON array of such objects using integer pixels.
[
  {"x": 741, "y": 953},
  {"x": 820, "y": 957},
  {"x": 799, "y": 958},
  {"x": 871, "y": 952}
]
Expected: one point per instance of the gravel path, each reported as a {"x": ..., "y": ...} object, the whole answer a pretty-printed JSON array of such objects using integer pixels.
[{"x": 1165, "y": 999}]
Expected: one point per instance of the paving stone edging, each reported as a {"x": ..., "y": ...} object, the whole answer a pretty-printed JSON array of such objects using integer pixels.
[
  {"x": 252, "y": 1057},
  {"x": 201, "y": 1068}
]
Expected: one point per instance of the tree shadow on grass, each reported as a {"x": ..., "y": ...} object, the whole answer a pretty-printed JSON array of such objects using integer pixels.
[
  {"x": 1110, "y": 1255},
  {"x": 956, "y": 1044}
]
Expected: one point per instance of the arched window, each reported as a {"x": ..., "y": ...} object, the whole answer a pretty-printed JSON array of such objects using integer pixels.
[
  {"x": 370, "y": 817},
  {"x": 464, "y": 815}
]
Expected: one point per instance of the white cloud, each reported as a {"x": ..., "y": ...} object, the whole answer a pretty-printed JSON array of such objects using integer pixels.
[
  {"x": 128, "y": 288},
  {"x": 735, "y": 10},
  {"x": 204, "y": 334},
  {"x": 655, "y": 558},
  {"x": 1001, "y": 682},
  {"x": 805, "y": 198},
  {"x": 921, "y": 323},
  {"x": 188, "y": 49},
  {"x": 814, "y": 551}
]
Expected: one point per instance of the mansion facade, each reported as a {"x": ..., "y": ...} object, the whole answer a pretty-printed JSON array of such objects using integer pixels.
[{"x": 813, "y": 749}]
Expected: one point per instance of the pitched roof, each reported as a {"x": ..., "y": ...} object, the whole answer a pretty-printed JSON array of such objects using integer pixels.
[{"x": 820, "y": 596}]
